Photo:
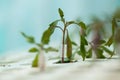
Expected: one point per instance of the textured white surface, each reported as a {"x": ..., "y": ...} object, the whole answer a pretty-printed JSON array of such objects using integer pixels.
[{"x": 19, "y": 68}]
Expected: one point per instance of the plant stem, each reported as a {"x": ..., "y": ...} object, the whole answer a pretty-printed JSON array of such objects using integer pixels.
[{"x": 63, "y": 43}]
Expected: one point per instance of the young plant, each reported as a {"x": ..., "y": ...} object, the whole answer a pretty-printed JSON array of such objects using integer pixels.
[
  {"x": 65, "y": 35},
  {"x": 39, "y": 49},
  {"x": 99, "y": 45}
]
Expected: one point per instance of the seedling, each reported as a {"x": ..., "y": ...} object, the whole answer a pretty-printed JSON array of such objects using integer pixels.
[
  {"x": 65, "y": 35},
  {"x": 39, "y": 49},
  {"x": 99, "y": 44}
]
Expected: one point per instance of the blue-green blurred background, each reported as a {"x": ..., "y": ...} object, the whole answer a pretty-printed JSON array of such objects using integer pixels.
[{"x": 34, "y": 16}]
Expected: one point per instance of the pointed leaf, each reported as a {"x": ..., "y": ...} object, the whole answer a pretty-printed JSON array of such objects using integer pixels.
[
  {"x": 35, "y": 61},
  {"x": 29, "y": 39},
  {"x": 54, "y": 23},
  {"x": 69, "y": 47},
  {"x": 83, "y": 40},
  {"x": 102, "y": 41},
  {"x": 46, "y": 37},
  {"x": 32, "y": 50},
  {"x": 114, "y": 25},
  {"x": 89, "y": 53},
  {"x": 61, "y": 13},
  {"x": 83, "y": 51},
  {"x": 70, "y": 22},
  {"x": 82, "y": 25},
  {"x": 47, "y": 34},
  {"x": 107, "y": 50},
  {"x": 110, "y": 41},
  {"x": 88, "y": 30},
  {"x": 99, "y": 53},
  {"x": 51, "y": 49},
  {"x": 73, "y": 43}
]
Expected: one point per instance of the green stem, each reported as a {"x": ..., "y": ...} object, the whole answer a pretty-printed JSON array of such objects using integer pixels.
[{"x": 63, "y": 43}]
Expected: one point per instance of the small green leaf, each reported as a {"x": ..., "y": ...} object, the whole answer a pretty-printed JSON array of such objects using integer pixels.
[
  {"x": 107, "y": 50},
  {"x": 82, "y": 25},
  {"x": 61, "y": 13},
  {"x": 83, "y": 40},
  {"x": 73, "y": 43},
  {"x": 114, "y": 25},
  {"x": 88, "y": 30},
  {"x": 29, "y": 39},
  {"x": 35, "y": 61},
  {"x": 89, "y": 53},
  {"x": 32, "y": 50},
  {"x": 54, "y": 23},
  {"x": 39, "y": 45},
  {"x": 70, "y": 22},
  {"x": 46, "y": 37},
  {"x": 99, "y": 53},
  {"x": 83, "y": 51},
  {"x": 110, "y": 41},
  {"x": 102, "y": 41},
  {"x": 69, "y": 47},
  {"x": 50, "y": 49},
  {"x": 47, "y": 34}
]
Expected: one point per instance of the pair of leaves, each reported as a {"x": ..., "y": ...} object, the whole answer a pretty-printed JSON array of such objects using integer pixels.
[
  {"x": 69, "y": 47},
  {"x": 50, "y": 49},
  {"x": 33, "y": 50},
  {"x": 29, "y": 39},
  {"x": 47, "y": 34}
]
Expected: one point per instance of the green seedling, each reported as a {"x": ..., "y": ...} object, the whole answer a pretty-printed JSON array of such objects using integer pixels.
[
  {"x": 65, "y": 35},
  {"x": 99, "y": 43},
  {"x": 39, "y": 48}
]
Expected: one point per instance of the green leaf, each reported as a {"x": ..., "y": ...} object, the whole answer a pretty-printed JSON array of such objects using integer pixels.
[
  {"x": 114, "y": 25},
  {"x": 83, "y": 51},
  {"x": 32, "y": 50},
  {"x": 51, "y": 49},
  {"x": 61, "y": 13},
  {"x": 35, "y": 61},
  {"x": 99, "y": 53},
  {"x": 70, "y": 22},
  {"x": 82, "y": 25},
  {"x": 69, "y": 46},
  {"x": 73, "y": 43},
  {"x": 46, "y": 37},
  {"x": 89, "y": 53},
  {"x": 83, "y": 40},
  {"x": 107, "y": 50},
  {"x": 29, "y": 39},
  {"x": 110, "y": 41},
  {"x": 102, "y": 41},
  {"x": 88, "y": 30},
  {"x": 54, "y": 23},
  {"x": 39, "y": 45},
  {"x": 47, "y": 34}
]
